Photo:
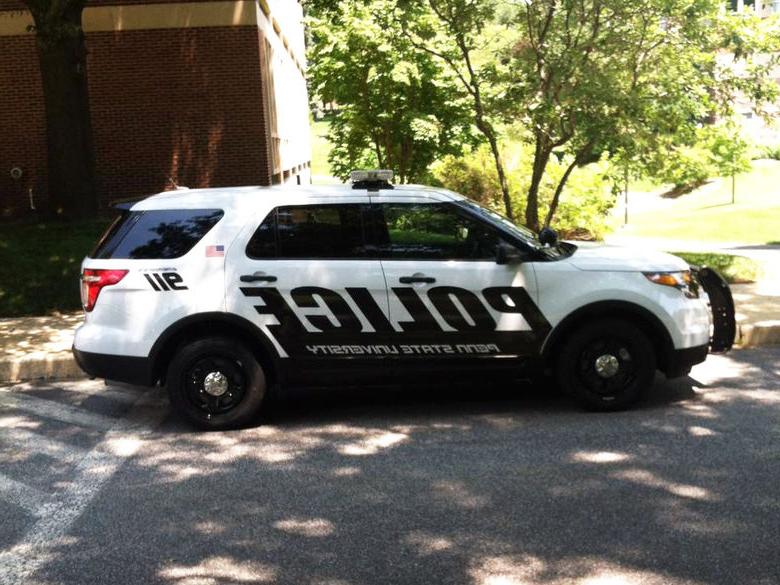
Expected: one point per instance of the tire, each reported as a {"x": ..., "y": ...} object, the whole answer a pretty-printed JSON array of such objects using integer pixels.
[
  {"x": 216, "y": 383},
  {"x": 606, "y": 365}
]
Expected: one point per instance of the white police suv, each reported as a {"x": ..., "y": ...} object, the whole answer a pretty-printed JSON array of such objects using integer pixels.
[{"x": 223, "y": 294}]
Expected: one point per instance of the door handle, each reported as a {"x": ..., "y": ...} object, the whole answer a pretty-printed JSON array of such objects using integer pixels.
[
  {"x": 257, "y": 278},
  {"x": 413, "y": 279}
]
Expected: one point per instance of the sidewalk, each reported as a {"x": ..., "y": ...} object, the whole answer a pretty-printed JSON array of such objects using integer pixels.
[{"x": 34, "y": 348}]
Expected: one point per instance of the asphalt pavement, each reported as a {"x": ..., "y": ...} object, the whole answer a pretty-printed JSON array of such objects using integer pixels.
[{"x": 485, "y": 485}]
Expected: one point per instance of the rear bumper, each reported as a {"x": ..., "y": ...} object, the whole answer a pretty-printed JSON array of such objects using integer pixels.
[
  {"x": 680, "y": 362},
  {"x": 120, "y": 368}
]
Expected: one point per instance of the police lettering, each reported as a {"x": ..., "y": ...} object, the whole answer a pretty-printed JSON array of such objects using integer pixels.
[{"x": 461, "y": 309}]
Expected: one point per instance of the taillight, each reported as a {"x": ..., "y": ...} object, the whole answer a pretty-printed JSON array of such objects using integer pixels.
[{"x": 93, "y": 281}]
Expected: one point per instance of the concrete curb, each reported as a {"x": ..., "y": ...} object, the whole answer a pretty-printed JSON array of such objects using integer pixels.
[
  {"x": 55, "y": 366},
  {"x": 758, "y": 334}
]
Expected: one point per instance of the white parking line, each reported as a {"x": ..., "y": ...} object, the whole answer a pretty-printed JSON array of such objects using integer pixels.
[
  {"x": 55, "y": 518},
  {"x": 115, "y": 392},
  {"x": 55, "y": 410},
  {"x": 22, "y": 495},
  {"x": 24, "y": 441}
]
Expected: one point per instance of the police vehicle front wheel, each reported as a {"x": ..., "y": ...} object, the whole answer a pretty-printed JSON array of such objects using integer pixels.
[
  {"x": 606, "y": 365},
  {"x": 216, "y": 383}
]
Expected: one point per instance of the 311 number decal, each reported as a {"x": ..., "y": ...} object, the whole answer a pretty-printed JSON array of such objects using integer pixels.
[{"x": 165, "y": 281}]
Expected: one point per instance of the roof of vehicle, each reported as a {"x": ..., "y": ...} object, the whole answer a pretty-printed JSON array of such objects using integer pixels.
[{"x": 250, "y": 197}]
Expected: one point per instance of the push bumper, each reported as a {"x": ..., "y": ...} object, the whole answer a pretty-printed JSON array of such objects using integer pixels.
[
  {"x": 120, "y": 368},
  {"x": 724, "y": 325}
]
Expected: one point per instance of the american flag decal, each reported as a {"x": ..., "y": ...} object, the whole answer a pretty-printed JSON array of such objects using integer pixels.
[{"x": 215, "y": 251}]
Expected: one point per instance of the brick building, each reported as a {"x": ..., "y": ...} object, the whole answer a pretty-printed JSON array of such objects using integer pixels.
[{"x": 200, "y": 94}]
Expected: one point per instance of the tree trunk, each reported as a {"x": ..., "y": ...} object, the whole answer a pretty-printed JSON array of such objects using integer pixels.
[
  {"x": 541, "y": 158},
  {"x": 558, "y": 191},
  {"x": 70, "y": 153},
  {"x": 501, "y": 177},
  {"x": 487, "y": 132}
]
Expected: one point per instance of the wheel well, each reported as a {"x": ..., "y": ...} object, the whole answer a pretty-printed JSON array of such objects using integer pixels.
[
  {"x": 639, "y": 316},
  {"x": 211, "y": 325}
]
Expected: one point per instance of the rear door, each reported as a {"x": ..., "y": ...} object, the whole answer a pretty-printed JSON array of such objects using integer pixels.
[
  {"x": 448, "y": 298},
  {"x": 305, "y": 276}
]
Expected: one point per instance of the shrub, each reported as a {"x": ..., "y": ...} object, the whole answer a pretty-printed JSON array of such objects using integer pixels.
[
  {"x": 768, "y": 151},
  {"x": 585, "y": 202},
  {"x": 686, "y": 166}
]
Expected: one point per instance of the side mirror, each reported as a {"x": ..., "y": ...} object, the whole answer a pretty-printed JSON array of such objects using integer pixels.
[
  {"x": 548, "y": 237},
  {"x": 507, "y": 254}
]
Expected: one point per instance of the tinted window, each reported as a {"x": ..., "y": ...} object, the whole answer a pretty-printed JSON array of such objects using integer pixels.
[
  {"x": 156, "y": 234},
  {"x": 310, "y": 231},
  {"x": 427, "y": 231}
]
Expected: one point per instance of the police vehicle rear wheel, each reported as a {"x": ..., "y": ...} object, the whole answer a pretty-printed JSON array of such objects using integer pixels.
[
  {"x": 606, "y": 365},
  {"x": 216, "y": 383}
]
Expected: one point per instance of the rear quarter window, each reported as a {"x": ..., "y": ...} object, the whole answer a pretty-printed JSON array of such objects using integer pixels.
[{"x": 155, "y": 234}]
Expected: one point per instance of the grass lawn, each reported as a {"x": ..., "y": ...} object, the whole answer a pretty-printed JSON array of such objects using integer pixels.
[
  {"x": 735, "y": 269},
  {"x": 707, "y": 214},
  {"x": 320, "y": 148},
  {"x": 40, "y": 263}
]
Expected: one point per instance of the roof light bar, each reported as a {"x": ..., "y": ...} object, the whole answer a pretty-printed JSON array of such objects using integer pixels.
[{"x": 375, "y": 175}]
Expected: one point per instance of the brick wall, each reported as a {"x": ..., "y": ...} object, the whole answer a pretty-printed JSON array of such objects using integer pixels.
[
  {"x": 179, "y": 103},
  {"x": 17, "y": 4},
  {"x": 192, "y": 112},
  {"x": 22, "y": 125}
]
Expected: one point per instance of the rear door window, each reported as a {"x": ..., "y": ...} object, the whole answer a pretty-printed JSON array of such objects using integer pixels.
[
  {"x": 156, "y": 234},
  {"x": 326, "y": 231}
]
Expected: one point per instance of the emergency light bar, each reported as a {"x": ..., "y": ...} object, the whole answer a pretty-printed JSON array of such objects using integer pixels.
[
  {"x": 372, "y": 180},
  {"x": 372, "y": 175}
]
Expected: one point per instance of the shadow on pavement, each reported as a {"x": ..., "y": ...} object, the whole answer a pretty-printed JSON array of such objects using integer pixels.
[{"x": 483, "y": 485}]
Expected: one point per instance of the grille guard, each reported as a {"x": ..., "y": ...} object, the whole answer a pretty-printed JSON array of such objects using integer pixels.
[{"x": 724, "y": 325}]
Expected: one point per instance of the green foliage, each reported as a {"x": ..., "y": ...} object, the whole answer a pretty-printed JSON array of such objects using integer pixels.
[
  {"x": 686, "y": 166},
  {"x": 715, "y": 150},
  {"x": 735, "y": 269},
  {"x": 396, "y": 105},
  {"x": 769, "y": 151},
  {"x": 587, "y": 80},
  {"x": 584, "y": 209},
  {"x": 40, "y": 265},
  {"x": 729, "y": 151}
]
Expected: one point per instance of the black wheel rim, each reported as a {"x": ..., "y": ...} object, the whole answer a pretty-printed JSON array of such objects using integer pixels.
[
  {"x": 212, "y": 398},
  {"x": 607, "y": 367}
]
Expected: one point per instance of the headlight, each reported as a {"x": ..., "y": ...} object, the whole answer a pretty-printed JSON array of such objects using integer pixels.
[{"x": 683, "y": 281}]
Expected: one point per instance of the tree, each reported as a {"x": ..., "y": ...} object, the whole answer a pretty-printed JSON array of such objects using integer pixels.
[
  {"x": 729, "y": 152},
  {"x": 608, "y": 76},
  {"x": 62, "y": 58},
  {"x": 458, "y": 32},
  {"x": 395, "y": 105}
]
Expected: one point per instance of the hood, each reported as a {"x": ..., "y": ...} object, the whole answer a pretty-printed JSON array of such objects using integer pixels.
[{"x": 617, "y": 259}]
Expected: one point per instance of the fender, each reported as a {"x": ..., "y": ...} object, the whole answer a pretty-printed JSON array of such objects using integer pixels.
[
  {"x": 210, "y": 323},
  {"x": 654, "y": 327}
]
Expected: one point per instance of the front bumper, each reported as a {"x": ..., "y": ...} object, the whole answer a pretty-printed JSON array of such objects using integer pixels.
[
  {"x": 120, "y": 368},
  {"x": 680, "y": 362}
]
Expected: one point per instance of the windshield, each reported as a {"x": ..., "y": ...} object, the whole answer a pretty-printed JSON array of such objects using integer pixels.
[{"x": 520, "y": 232}]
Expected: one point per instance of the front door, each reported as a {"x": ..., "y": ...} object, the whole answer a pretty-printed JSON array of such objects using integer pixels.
[{"x": 449, "y": 298}]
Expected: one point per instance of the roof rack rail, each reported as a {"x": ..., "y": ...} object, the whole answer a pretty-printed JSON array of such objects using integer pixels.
[{"x": 372, "y": 180}]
